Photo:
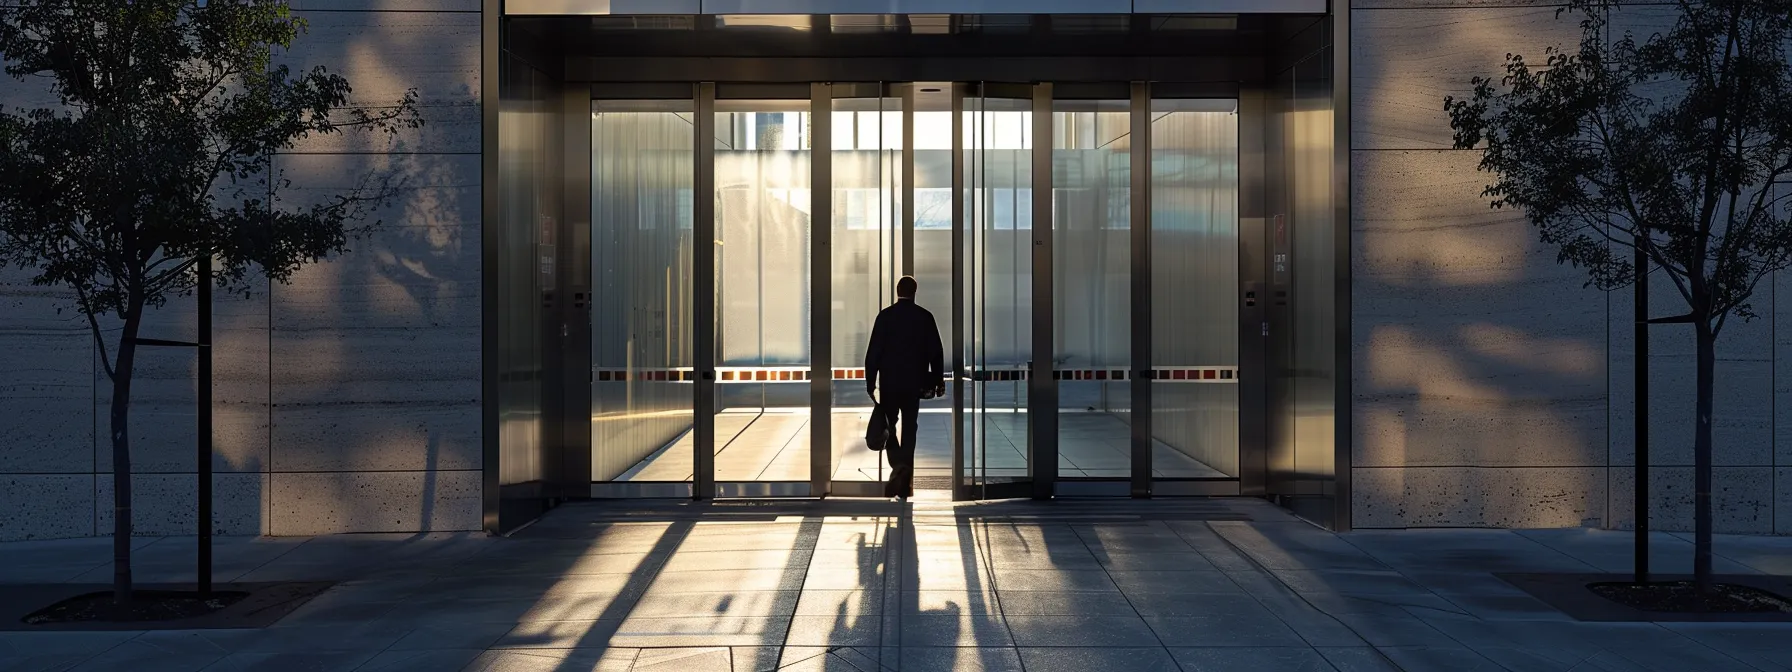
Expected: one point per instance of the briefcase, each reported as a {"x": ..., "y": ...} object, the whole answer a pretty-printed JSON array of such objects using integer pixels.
[{"x": 879, "y": 432}]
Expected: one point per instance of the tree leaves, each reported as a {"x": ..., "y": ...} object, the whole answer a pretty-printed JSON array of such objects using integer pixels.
[
  {"x": 163, "y": 149},
  {"x": 1670, "y": 142}
]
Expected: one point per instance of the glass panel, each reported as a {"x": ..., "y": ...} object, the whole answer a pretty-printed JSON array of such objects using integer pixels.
[
  {"x": 1092, "y": 281},
  {"x": 762, "y": 289},
  {"x": 998, "y": 297},
  {"x": 1194, "y": 268},
  {"x": 933, "y": 266},
  {"x": 867, "y": 242},
  {"x": 641, "y": 200}
]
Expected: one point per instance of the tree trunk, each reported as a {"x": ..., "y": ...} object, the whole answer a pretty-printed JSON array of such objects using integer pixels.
[
  {"x": 1701, "y": 454},
  {"x": 121, "y": 459}
]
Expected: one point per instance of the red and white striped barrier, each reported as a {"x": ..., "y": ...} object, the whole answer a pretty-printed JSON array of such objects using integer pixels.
[{"x": 795, "y": 374}]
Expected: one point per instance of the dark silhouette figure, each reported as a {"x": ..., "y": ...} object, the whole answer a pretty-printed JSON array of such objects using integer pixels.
[{"x": 904, "y": 363}]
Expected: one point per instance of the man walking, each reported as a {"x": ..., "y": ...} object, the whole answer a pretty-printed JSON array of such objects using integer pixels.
[{"x": 904, "y": 363}]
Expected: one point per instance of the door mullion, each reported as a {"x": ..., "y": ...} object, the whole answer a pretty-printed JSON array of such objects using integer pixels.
[
  {"x": 1141, "y": 290},
  {"x": 821, "y": 286},
  {"x": 1042, "y": 401},
  {"x": 703, "y": 268},
  {"x": 959, "y": 490}
]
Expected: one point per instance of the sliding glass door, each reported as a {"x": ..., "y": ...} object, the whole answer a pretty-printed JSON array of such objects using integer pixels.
[{"x": 1078, "y": 249}]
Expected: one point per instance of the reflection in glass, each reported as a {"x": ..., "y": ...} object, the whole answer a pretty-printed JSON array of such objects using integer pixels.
[
  {"x": 1194, "y": 266},
  {"x": 998, "y": 149},
  {"x": 762, "y": 281},
  {"x": 933, "y": 264},
  {"x": 866, "y": 249},
  {"x": 1092, "y": 285},
  {"x": 641, "y": 174}
]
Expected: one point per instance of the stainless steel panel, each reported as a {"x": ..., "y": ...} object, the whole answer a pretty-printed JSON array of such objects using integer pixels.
[
  {"x": 522, "y": 256},
  {"x": 1214, "y": 488},
  {"x": 1253, "y": 326},
  {"x": 857, "y": 489},
  {"x": 1141, "y": 330},
  {"x": 917, "y": 6},
  {"x": 1343, "y": 436},
  {"x": 1042, "y": 398},
  {"x": 575, "y": 289},
  {"x": 1229, "y": 6},
  {"x": 800, "y": 70},
  {"x": 908, "y": 179},
  {"x": 1196, "y": 489},
  {"x": 821, "y": 267},
  {"x": 799, "y": 7},
  {"x": 1309, "y": 344},
  {"x": 640, "y": 490},
  {"x": 763, "y": 489},
  {"x": 703, "y": 347},
  {"x": 1314, "y": 285},
  {"x": 491, "y": 192},
  {"x": 600, "y": 7},
  {"x": 960, "y": 489},
  {"x": 1081, "y": 488},
  {"x": 1279, "y": 469}
]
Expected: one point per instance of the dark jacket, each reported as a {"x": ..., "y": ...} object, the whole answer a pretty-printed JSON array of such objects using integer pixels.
[{"x": 905, "y": 352}]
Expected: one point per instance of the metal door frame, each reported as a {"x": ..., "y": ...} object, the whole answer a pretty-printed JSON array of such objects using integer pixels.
[{"x": 1041, "y": 378}]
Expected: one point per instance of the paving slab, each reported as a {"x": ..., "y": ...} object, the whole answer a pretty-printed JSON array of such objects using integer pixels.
[
  {"x": 1060, "y": 659},
  {"x": 859, "y": 586},
  {"x": 1228, "y": 658}
]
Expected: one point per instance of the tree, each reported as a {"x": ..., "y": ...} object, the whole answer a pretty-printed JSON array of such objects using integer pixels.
[
  {"x": 159, "y": 162},
  {"x": 1670, "y": 145}
]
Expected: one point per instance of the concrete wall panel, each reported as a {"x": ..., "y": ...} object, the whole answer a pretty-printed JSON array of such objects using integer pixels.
[
  {"x": 1404, "y": 61},
  {"x": 1742, "y": 499},
  {"x": 46, "y": 379},
  {"x": 1474, "y": 348},
  {"x": 376, "y": 352},
  {"x": 46, "y": 506},
  {"x": 401, "y": 501},
  {"x": 1479, "y": 497},
  {"x": 385, "y": 53},
  {"x": 167, "y": 504},
  {"x": 395, "y": 322}
]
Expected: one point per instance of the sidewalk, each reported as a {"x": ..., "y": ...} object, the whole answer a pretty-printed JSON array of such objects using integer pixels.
[{"x": 1225, "y": 584}]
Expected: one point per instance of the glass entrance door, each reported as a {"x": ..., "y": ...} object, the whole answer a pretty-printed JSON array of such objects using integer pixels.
[
  {"x": 999, "y": 436},
  {"x": 1078, "y": 252},
  {"x": 868, "y": 151}
]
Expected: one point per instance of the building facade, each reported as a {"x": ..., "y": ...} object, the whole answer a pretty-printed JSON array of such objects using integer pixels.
[{"x": 1437, "y": 367}]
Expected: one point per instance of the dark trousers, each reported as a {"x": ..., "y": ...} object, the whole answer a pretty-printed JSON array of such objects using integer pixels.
[{"x": 902, "y": 455}]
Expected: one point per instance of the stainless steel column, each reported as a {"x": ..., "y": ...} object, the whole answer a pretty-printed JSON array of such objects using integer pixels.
[
  {"x": 956, "y": 357},
  {"x": 491, "y": 243},
  {"x": 908, "y": 179},
  {"x": 1141, "y": 290},
  {"x": 1042, "y": 385},
  {"x": 575, "y": 292},
  {"x": 1254, "y": 114},
  {"x": 1342, "y": 421},
  {"x": 821, "y": 288},
  {"x": 703, "y": 304}
]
